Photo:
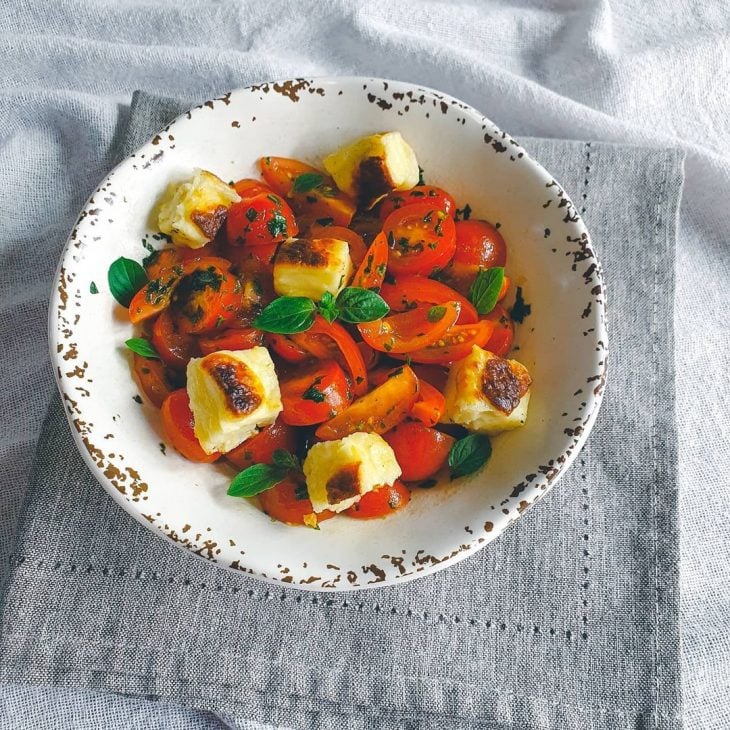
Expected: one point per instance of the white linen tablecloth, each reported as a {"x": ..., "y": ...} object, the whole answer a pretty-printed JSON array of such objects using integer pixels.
[{"x": 630, "y": 71}]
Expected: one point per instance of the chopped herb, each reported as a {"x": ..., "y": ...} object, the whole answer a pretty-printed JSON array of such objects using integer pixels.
[
  {"x": 251, "y": 214},
  {"x": 219, "y": 321},
  {"x": 142, "y": 347},
  {"x": 148, "y": 245},
  {"x": 436, "y": 314},
  {"x": 300, "y": 491},
  {"x": 277, "y": 225},
  {"x": 417, "y": 194},
  {"x": 433, "y": 245},
  {"x": 163, "y": 448},
  {"x": 325, "y": 221},
  {"x": 275, "y": 199},
  {"x": 438, "y": 230},
  {"x": 428, "y": 216},
  {"x": 421, "y": 181},
  {"x": 307, "y": 181},
  {"x": 93, "y": 288},
  {"x": 137, "y": 399},
  {"x": 313, "y": 393},
  {"x": 520, "y": 309},
  {"x": 464, "y": 213},
  {"x": 202, "y": 279}
]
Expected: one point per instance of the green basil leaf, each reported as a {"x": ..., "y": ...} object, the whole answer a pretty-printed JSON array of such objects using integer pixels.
[
  {"x": 484, "y": 292},
  {"x": 327, "y": 307},
  {"x": 285, "y": 459},
  {"x": 256, "y": 479},
  {"x": 436, "y": 313},
  {"x": 286, "y": 315},
  {"x": 142, "y": 347},
  {"x": 469, "y": 454},
  {"x": 360, "y": 305},
  {"x": 307, "y": 181},
  {"x": 126, "y": 278}
]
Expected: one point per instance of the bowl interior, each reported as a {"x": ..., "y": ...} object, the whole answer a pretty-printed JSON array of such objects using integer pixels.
[{"x": 562, "y": 342}]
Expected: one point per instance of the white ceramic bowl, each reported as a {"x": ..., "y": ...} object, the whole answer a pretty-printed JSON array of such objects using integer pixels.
[{"x": 460, "y": 150}]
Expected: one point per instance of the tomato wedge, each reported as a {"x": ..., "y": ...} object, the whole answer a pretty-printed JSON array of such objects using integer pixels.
[
  {"x": 420, "y": 451},
  {"x": 286, "y": 348},
  {"x": 174, "y": 347},
  {"x": 435, "y": 197},
  {"x": 406, "y": 291},
  {"x": 288, "y": 502},
  {"x": 371, "y": 272},
  {"x": 206, "y": 299},
  {"x": 430, "y": 406},
  {"x": 317, "y": 341},
  {"x": 411, "y": 330},
  {"x": 314, "y": 197},
  {"x": 177, "y": 420},
  {"x": 455, "y": 344},
  {"x": 354, "y": 240},
  {"x": 421, "y": 239},
  {"x": 380, "y": 502},
  {"x": 378, "y": 411},
  {"x": 249, "y": 187},
  {"x": 234, "y": 338},
  {"x": 314, "y": 395},
  {"x": 259, "y": 449},
  {"x": 500, "y": 343},
  {"x": 152, "y": 378}
]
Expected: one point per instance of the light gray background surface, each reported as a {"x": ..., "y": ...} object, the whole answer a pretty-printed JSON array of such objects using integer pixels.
[{"x": 643, "y": 72}]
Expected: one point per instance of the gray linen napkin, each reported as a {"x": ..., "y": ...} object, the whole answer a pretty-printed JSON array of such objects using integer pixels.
[{"x": 569, "y": 620}]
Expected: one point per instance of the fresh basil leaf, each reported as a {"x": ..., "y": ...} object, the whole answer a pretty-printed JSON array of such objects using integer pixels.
[
  {"x": 285, "y": 459},
  {"x": 484, "y": 292},
  {"x": 520, "y": 309},
  {"x": 327, "y": 307},
  {"x": 436, "y": 313},
  {"x": 142, "y": 347},
  {"x": 469, "y": 454},
  {"x": 126, "y": 278},
  {"x": 360, "y": 305},
  {"x": 286, "y": 315},
  {"x": 307, "y": 181},
  {"x": 256, "y": 479}
]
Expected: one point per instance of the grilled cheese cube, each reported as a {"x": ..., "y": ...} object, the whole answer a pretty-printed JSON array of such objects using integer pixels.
[
  {"x": 371, "y": 167},
  {"x": 305, "y": 268},
  {"x": 193, "y": 211},
  {"x": 339, "y": 472},
  {"x": 486, "y": 393},
  {"x": 232, "y": 393}
]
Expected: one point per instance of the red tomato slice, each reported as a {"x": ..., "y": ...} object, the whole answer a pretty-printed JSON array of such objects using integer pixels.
[
  {"x": 286, "y": 348},
  {"x": 411, "y": 330},
  {"x": 435, "y": 375},
  {"x": 206, "y": 299},
  {"x": 263, "y": 219},
  {"x": 421, "y": 451},
  {"x": 421, "y": 239},
  {"x": 377, "y": 411},
  {"x": 500, "y": 343},
  {"x": 430, "y": 406},
  {"x": 174, "y": 347},
  {"x": 380, "y": 502},
  {"x": 406, "y": 291},
  {"x": 371, "y": 272},
  {"x": 177, "y": 420},
  {"x": 238, "y": 338},
  {"x": 455, "y": 344},
  {"x": 259, "y": 449},
  {"x": 249, "y": 187},
  {"x": 317, "y": 201},
  {"x": 288, "y": 502},
  {"x": 358, "y": 249},
  {"x": 435, "y": 197},
  {"x": 315, "y": 395},
  {"x": 159, "y": 261},
  {"x": 152, "y": 378}
]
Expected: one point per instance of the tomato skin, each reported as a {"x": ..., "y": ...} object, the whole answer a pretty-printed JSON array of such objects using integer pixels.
[
  {"x": 328, "y": 379},
  {"x": 354, "y": 240},
  {"x": 377, "y": 411},
  {"x": 259, "y": 449},
  {"x": 264, "y": 219},
  {"x": 281, "y": 503},
  {"x": 371, "y": 272},
  {"x": 500, "y": 343},
  {"x": 421, "y": 239},
  {"x": 435, "y": 197},
  {"x": 152, "y": 379},
  {"x": 324, "y": 202},
  {"x": 174, "y": 347},
  {"x": 435, "y": 375},
  {"x": 455, "y": 344},
  {"x": 380, "y": 502},
  {"x": 177, "y": 420},
  {"x": 406, "y": 291},
  {"x": 238, "y": 338},
  {"x": 430, "y": 406},
  {"x": 249, "y": 187},
  {"x": 158, "y": 261},
  {"x": 408, "y": 331},
  {"x": 479, "y": 244},
  {"x": 285, "y": 348},
  {"x": 421, "y": 451}
]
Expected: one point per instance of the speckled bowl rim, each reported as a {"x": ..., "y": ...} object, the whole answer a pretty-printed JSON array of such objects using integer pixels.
[{"x": 550, "y": 475}]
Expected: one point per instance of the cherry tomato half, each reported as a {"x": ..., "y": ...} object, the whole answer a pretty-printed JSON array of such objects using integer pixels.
[
  {"x": 177, "y": 420},
  {"x": 288, "y": 502},
  {"x": 371, "y": 272},
  {"x": 421, "y": 239},
  {"x": 263, "y": 219},
  {"x": 259, "y": 449},
  {"x": 315, "y": 395},
  {"x": 500, "y": 343},
  {"x": 249, "y": 187},
  {"x": 153, "y": 379},
  {"x": 234, "y": 338},
  {"x": 380, "y": 502},
  {"x": 455, "y": 344},
  {"x": 420, "y": 451},
  {"x": 435, "y": 197},
  {"x": 174, "y": 346}
]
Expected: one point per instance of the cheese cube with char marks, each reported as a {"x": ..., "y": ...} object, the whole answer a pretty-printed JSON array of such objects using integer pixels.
[
  {"x": 371, "y": 167},
  {"x": 192, "y": 212},
  {"x": 487, "y": 393},
  {"x": 339, "y": 472},
  {"x": 232, "y": 393},
  {"x": 309, "y": 268}
]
